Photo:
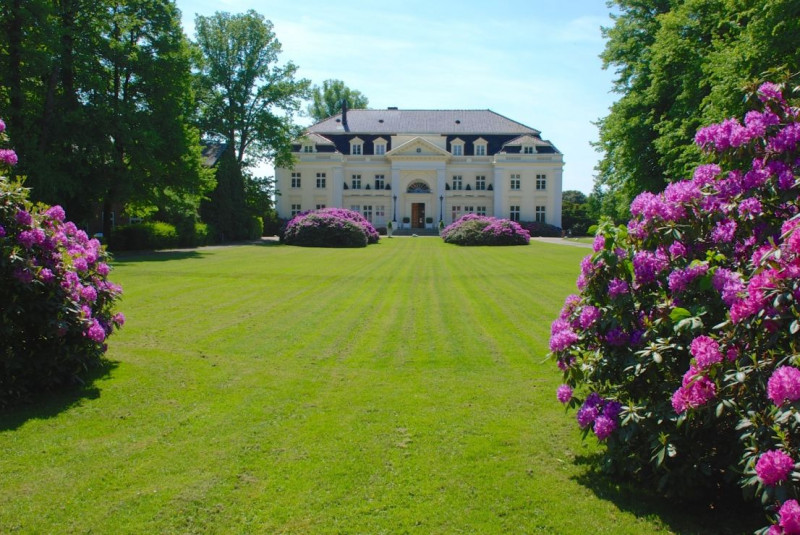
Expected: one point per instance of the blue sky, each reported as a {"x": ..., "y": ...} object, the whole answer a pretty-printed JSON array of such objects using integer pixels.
[{"x": 534, "y": 61}]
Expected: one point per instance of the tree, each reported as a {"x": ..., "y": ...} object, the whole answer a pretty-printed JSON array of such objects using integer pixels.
[
  {"x": 681, "y": 64},
  {"x": 575, "y": 215},
  {"x": 249, "y": 101},
  {"x": 245, "y": 96},
  {"x": 100, "y": 100},
  {"x": 327, "y": 100}
]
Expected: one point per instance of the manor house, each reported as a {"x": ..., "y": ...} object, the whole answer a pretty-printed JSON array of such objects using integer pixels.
[{"x": 418, "y": 167}]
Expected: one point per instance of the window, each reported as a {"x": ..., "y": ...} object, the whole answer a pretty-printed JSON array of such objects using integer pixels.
[
  {"x": 515, "y": 182},
  {"x": 457, "y": 147},
  {"x": 456, "y": 211},
  {"x": 357, "y": 146},
  {"x": 513, "y": 213},
  {"x": 457, "y": 182},
  {"x": 380, "y": 149},
  {"x": 355, "y": 183},
  {"x": 295, "y": 209},
  {"x": 527, "y": 150},
  {"x": 469, "y": 209},
  {"x": 308, "y": 148},
  {"x": 355, "y": 207},
  {"x": 481, "y": 210},
  {"x": 541, "y": 182},
  {"x": 367, "y": 213},
  {"x": 480, "y": 150},
  {"x": 295, "y": 180},
  {"x": 480, "y": 182},
  {"x": 320, "y": 206},
  {"x": 321, "y": 180},
  {"x": 380, "y": 211},
  {"x": 380, "y": 181},
  {"x": 540, "y": 214}
]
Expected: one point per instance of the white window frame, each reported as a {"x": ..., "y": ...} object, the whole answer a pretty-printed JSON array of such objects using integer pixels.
[
  {"x": 296, "y": 209},
  {"x": 380, "y": 181},
  {"x": 457, "y": 147},
  {"x": 481, "y": 210},
  {"x": 296, "y": 180},
  {"x": 515, "y": 182},
  {"x": 541, "y": 181},
  {"x": 528, "y": 149},
  {"x": 320, "y": 207},
  {"x": 455, "y": 212},
  {"x": 514, "y": 212},
  {"x": 479, "y": 147},
  {"x": 458, "y": 182},
  {"x": 367, "y": 212},
  {"x": 480, "y": 183},
  {"x": 322, "y": 181},
  {"x": 355, "y": 181},
  {"x": 308, "y": 148},
  {"x": 356, "y": 146},
  {"x": 541, "y": 214}
]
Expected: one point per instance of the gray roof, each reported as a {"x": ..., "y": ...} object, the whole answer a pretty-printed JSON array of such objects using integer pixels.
[
  {"x": 395, "y": 121},
  {"x": 526, "y": 140},
  {"x": 317, "y": 139}
]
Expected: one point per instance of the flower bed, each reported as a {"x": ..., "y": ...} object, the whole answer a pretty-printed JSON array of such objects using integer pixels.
[
  {"x": 330, "y": 227},
  {"x": 56, "y": 303},
  {"x": 681, "y": 351},
  {"x": 474, "y": 229}
]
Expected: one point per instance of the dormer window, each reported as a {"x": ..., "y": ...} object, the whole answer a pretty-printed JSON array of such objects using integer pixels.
[
  {"x": 356, "y": 146},
  {"x": 379, "y": 146},
  {"x": 480, "y": 147},
  {"x": 308, "y": 148},
  {"x": 528, "y": 149},
  {"x": 457, "y": 147}
]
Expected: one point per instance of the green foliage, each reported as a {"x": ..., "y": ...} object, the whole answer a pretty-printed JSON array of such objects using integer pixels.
[
  {"x": 326, "y": 101},
  {"x": 246, "y": 96},
  {"x": 146, "y": 236},
  {"x": 56, "y": 304},
  {"x": 680, "y": 65},
  {"x": 576, "y": 213},
  {"x": 100, "y": 102}
]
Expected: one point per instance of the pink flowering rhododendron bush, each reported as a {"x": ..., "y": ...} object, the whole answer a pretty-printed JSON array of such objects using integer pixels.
[
  {"x": 472, "y": 229},
  {"x": 682, "y": 350},
  {"x": 330, "y": 227},
  {"x": 56, "y": 303}
]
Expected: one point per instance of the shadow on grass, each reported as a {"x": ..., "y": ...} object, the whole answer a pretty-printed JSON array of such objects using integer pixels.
[
  {"x": 53, "y": 403},
  {"x": 729, "y": 517},
  {"x": 135, "y": 257}
]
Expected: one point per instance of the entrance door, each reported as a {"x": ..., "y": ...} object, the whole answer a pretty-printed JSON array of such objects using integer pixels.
[{"x": 418, "y": 215}]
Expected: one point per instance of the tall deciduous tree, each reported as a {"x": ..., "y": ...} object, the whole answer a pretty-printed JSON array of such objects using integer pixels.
[
  {"x": 681, "y": 64},
  {"x": 248, "y": 100},
  {"x": 327, "y": 99},
  {"x": 100, "y": 96}
]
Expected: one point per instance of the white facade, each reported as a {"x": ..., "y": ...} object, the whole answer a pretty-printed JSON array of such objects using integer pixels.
[{"x": 417, "y": 179}]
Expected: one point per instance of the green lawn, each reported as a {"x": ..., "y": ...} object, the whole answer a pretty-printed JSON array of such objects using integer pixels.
[{"x": 400, "y": 388}]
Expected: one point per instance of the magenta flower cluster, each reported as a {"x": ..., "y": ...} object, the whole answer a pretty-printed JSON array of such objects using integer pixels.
[
  {"x": 57, "y": 277},
  {"x": 688, "y": 315},
  {"x": 773, "y": 467},
  {"x": 473, "y": 229},
  {"x": 330, "y": 227}
]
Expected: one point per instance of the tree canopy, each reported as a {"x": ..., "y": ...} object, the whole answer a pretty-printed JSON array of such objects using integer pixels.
[
  {"x": 98, "y": 95},
  {"x": 246, "y": 97},
  {"x": 681, "y": 64},
  {"x": 326, "y": 100}
]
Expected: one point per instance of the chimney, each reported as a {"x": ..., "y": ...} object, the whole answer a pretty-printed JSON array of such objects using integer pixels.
[{"x": 344, "y": 115}]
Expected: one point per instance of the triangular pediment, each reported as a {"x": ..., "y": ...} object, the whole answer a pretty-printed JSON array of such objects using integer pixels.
[{"x": 418, "y": 147}]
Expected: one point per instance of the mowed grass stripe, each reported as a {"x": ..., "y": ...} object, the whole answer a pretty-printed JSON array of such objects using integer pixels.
[{"x": 399, "y": 388}]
